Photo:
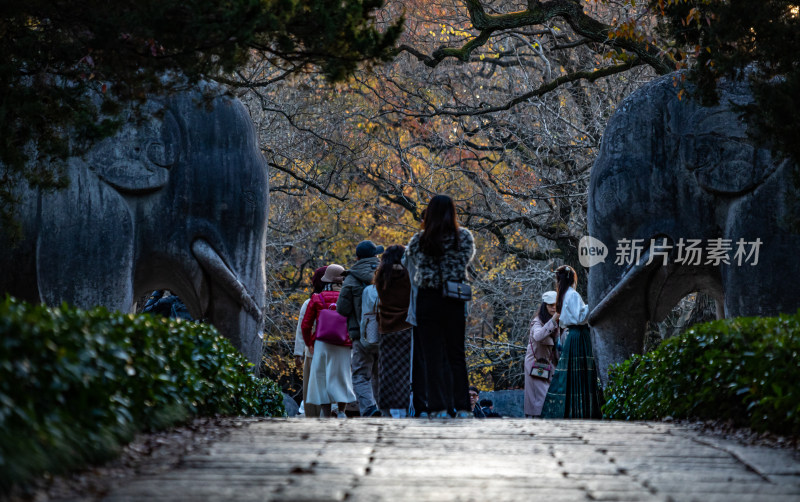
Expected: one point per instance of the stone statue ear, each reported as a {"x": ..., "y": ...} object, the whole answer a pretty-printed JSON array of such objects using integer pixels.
[
  {"x": 85, "y": 249},
  {"x": 138, "y": 158},
  {"x": 721, "y": 156}
]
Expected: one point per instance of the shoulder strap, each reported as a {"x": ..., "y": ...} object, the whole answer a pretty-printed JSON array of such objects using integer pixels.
[{"x": 322, "y": 299}]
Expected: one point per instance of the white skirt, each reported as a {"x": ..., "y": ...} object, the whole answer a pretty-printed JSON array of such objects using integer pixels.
[{"x": 330, "y": 379}]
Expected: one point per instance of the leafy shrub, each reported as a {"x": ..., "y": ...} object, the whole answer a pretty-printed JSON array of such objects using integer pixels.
[
  {"x": 742, "y": 369},
  {"x": 75, "y": 385}
]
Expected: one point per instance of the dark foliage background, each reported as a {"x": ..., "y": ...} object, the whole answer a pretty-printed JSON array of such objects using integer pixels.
[{"x": 743, "y": 39}]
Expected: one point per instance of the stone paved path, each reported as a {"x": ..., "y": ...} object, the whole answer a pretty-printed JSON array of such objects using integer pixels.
[{"x": 506, "y": 459}]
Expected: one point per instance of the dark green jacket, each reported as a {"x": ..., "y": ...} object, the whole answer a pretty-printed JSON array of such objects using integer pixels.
[{"x": 349, "y": 303}]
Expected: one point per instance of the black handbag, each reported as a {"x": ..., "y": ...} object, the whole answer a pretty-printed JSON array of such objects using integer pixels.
[{"x": 456, "y": 290}]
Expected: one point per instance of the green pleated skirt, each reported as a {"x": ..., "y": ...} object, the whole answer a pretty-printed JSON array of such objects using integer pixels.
[{"x": 574, "y": 391}]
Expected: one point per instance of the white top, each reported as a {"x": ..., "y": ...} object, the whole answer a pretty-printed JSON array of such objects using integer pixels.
[
  {"x": 300, "y": 345},
  {"x": 573, "y": 310}
]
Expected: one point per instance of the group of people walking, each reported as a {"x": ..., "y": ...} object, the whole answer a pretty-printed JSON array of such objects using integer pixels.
[{"x": 389, "y": 332}]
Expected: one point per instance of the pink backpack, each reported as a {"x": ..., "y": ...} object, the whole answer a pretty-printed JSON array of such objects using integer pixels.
[{"x": 331, "y": 325}]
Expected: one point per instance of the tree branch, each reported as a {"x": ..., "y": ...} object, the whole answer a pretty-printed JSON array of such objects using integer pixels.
[
  {"x": 538, "y": 14},
  {"x": 543, "y": 89},
  {"x": 307, "y": 181}
]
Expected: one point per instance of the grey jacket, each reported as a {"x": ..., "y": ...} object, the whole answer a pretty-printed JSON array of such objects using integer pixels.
[
  {"x": 349, "y": 303},
  {"x": 411, "y": 266}
]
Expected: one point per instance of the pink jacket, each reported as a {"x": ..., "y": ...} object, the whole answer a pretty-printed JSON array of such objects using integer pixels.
[{"x": 542, "y": 341}]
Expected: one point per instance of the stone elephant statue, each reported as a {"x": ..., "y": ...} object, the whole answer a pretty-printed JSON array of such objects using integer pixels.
[
  {"x": 673, "y": 177},
  {"x": 175, "y": 201}
]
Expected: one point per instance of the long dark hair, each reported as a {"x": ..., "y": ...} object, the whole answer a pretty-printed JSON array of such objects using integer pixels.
[
  {"x": 544, "y": 314},
  {"x": 316, "y": 280},
  {"x": 565, "y": 277},
  {"x": 440, "y": 221},
  {"x": 391, "y": 257}
]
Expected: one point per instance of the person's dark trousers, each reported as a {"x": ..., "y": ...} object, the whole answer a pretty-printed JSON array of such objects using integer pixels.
[
  {"x": 418, "y": 376},
  {"x": 441, "y": 325}
]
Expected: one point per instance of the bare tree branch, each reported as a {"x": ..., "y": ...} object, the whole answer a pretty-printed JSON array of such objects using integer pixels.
[{"x": 543, "y": 89}]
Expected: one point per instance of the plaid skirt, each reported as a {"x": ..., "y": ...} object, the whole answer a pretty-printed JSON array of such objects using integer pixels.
[
  {"x": 394, "y": 370},
  {"x": 574, "y": 391}
]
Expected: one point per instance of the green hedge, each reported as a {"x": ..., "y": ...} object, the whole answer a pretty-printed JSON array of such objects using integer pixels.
[
  {"x": 745, "y": 370},
  {"x": 75, "y": 385}
]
